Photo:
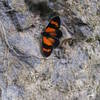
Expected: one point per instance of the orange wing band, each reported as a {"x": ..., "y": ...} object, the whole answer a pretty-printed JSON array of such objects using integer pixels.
[
  {"x": 46, "y": 50},
  {"x": 51, "y": 40},
  {"x": 47, "y": 41},
  {"x": 48, "y": 29},
  {"x": 55, "y": 23},
  {"x": 53, "y": 34}
]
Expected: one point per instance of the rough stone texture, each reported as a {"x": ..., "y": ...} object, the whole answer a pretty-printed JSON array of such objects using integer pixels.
[{"x": 72, "y": 72}]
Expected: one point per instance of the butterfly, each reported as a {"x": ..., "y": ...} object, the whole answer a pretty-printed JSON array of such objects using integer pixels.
[{"x": 51, "y": 36}]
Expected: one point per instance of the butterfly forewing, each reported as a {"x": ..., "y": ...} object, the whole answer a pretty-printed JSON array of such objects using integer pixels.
[{"x": 55, "y": 21}]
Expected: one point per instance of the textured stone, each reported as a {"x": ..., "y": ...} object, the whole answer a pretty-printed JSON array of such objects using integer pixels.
[{"x": 72, "y": 72}]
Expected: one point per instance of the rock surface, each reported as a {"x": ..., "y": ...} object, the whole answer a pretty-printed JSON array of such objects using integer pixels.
[{"x": 72, "y": 72}]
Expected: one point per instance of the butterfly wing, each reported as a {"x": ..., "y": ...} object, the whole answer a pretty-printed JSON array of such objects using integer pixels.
[
  {"x": 55, "y": 42},
  {"x": 50, "y": 36},
  {"x": 55, "y": 21},
  {"x": 53, "y": 27},
  {"x": 46, "y": 46},
  {"x": 50, "y": 39},
  {"x": 46, "y": 51},
  {"x": 57, "y": 34}
]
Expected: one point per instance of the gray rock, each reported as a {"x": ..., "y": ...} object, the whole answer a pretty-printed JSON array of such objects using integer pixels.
[{"x": 71, "y": 72}]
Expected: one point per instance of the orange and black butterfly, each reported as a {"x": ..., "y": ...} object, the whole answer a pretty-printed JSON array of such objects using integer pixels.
[{"x": 51, "y": 36}]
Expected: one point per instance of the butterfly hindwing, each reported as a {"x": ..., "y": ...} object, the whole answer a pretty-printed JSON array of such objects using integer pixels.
[
  {"x": 46, "y": 50},
  {"x": 56, "y": 42}
]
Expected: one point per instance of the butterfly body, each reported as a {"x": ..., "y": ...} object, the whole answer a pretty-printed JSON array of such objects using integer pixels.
[{"x": 51, "y": 36}]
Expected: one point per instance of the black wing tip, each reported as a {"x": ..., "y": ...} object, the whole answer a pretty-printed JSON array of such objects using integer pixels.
[
  {"x": 57, "y": 19},
  {"x": 45, "y": 54}
]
